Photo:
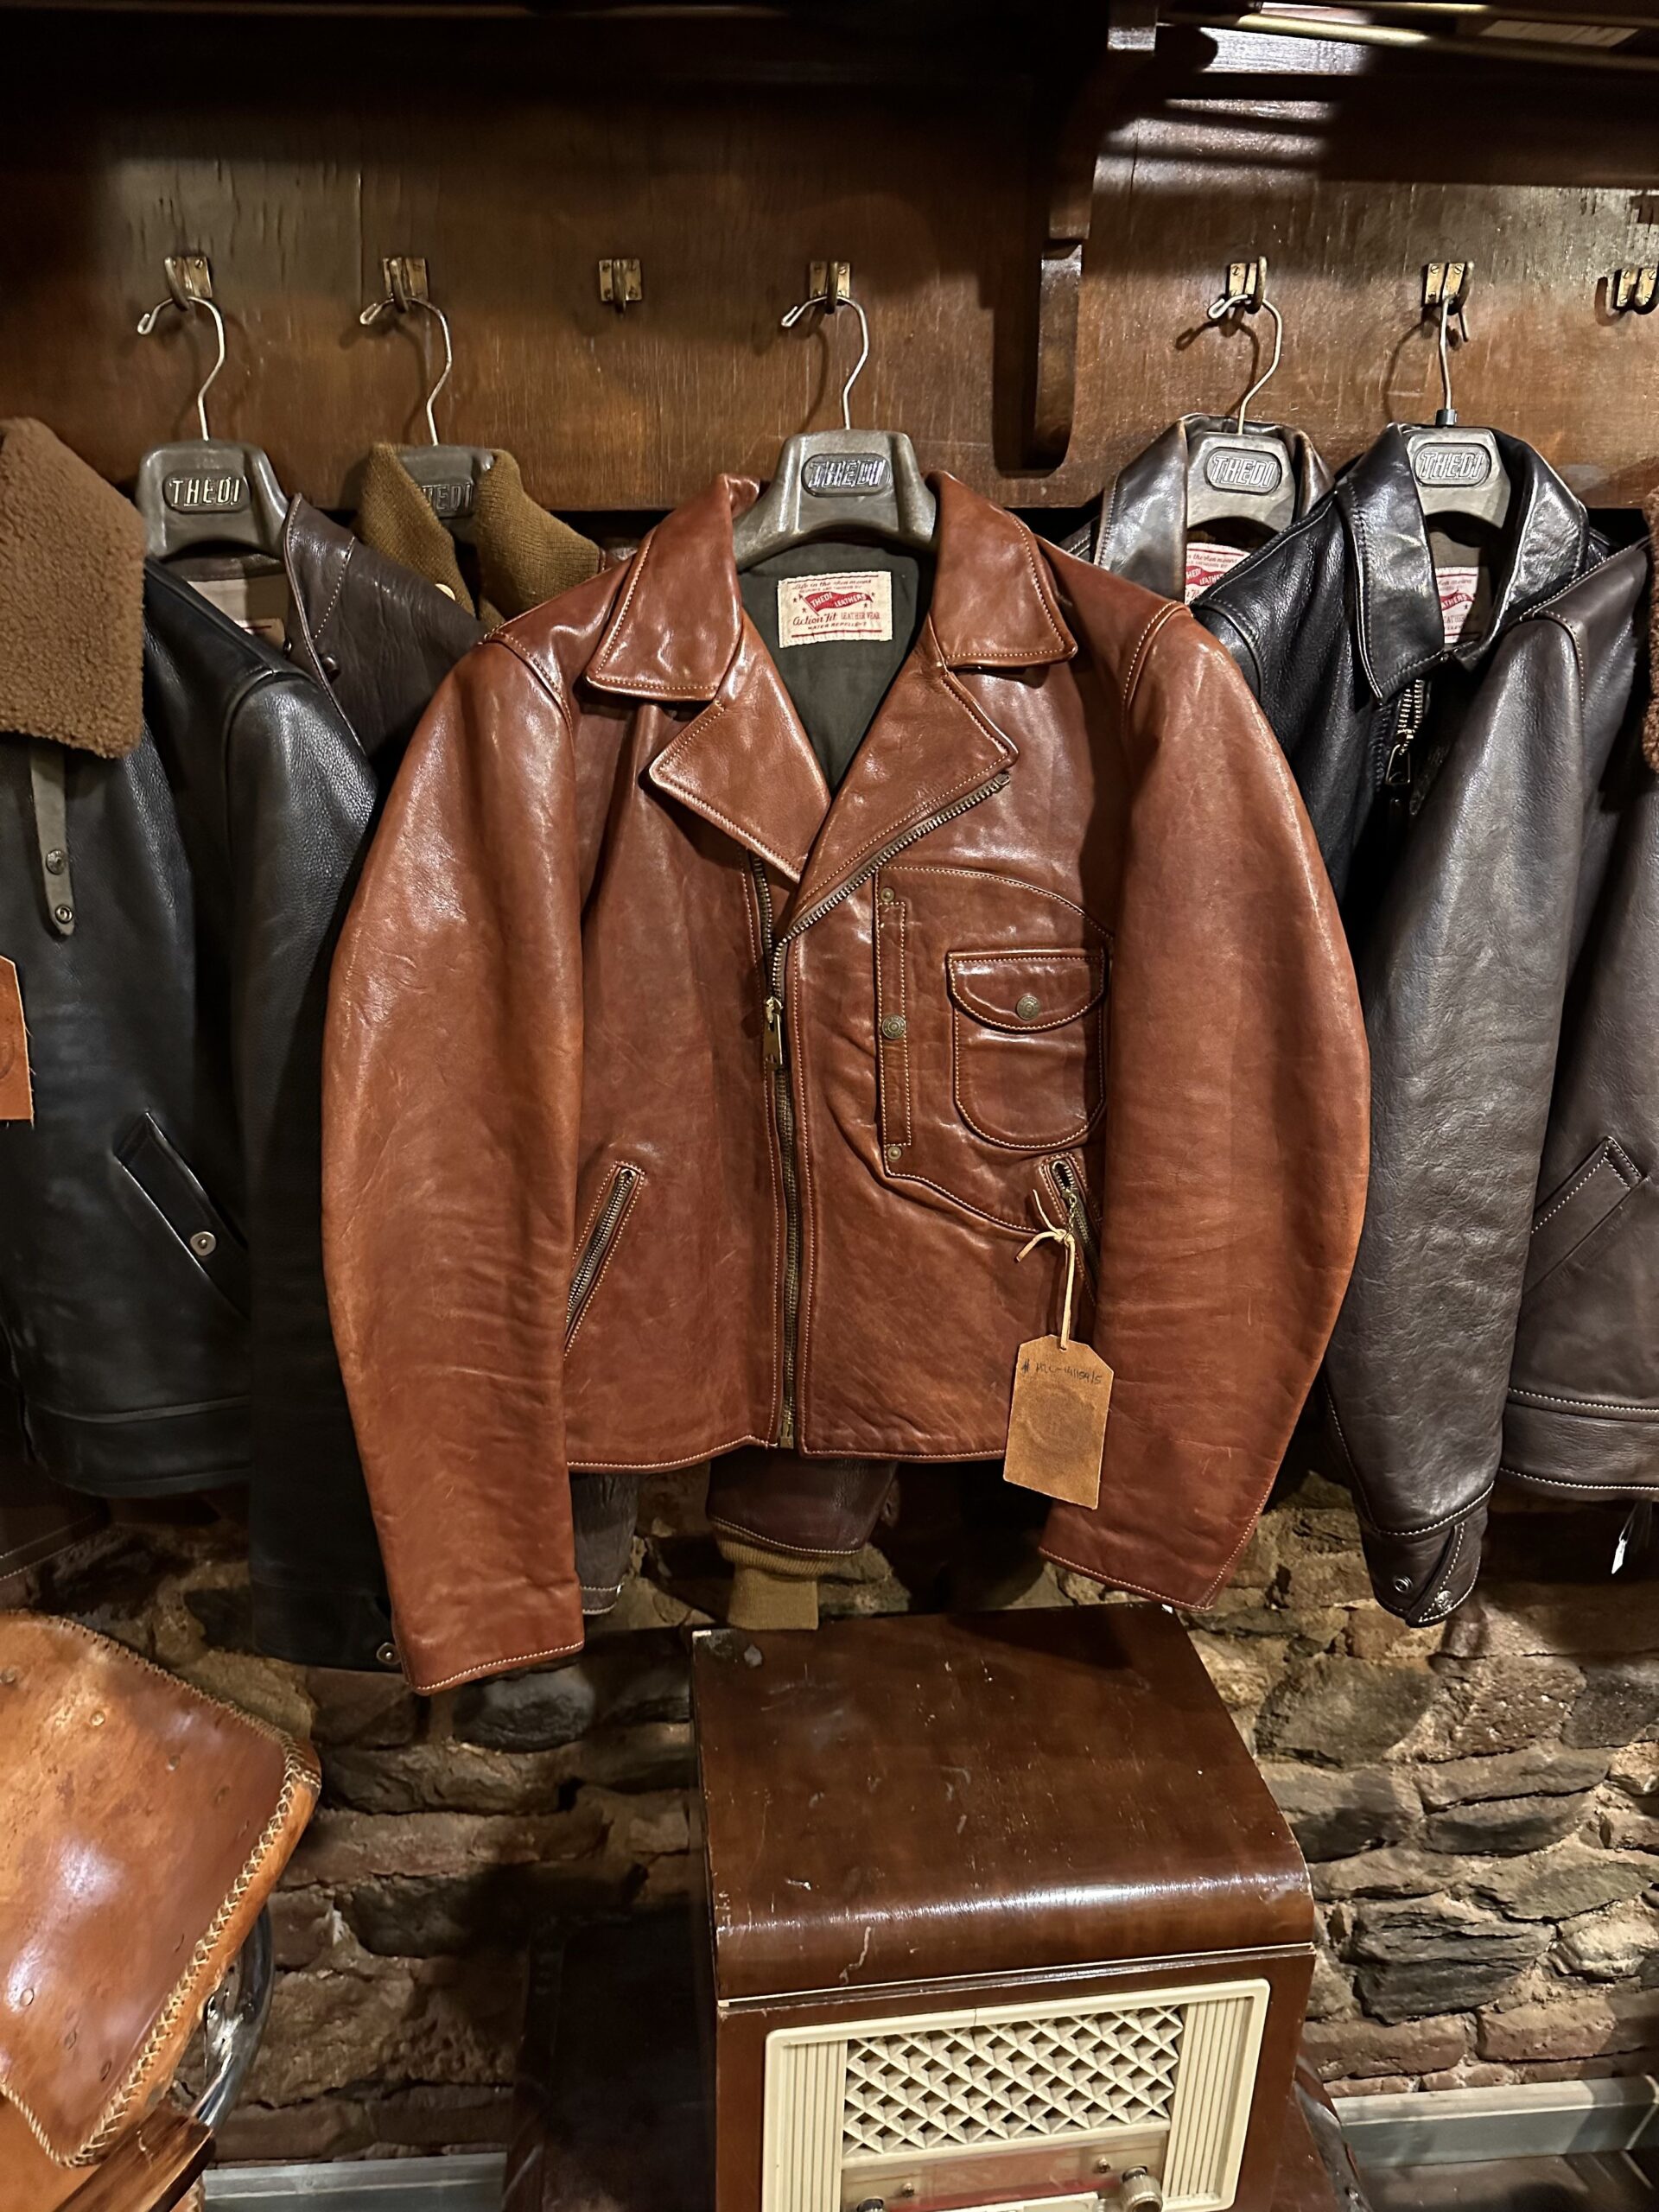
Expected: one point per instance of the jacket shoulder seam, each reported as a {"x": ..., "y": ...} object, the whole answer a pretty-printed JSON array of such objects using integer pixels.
[
  {"x": 553, "y": 686},
  {"x": 1143, "y": 645}
]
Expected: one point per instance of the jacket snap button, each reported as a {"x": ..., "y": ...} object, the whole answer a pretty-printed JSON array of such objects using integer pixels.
[
  {"x": 895, "y": 1153},
  {"x": 387, "y": 1655},
  {"x": 204, "y": 1243},
  {"x": 1401, "y": 1584},
  {"x": 892, "y": 1025},
  {"x": 63, "y": 914},
  {"x": 888, "y": 894},
  {"x": 55, "y": 861},
  {"x": 330, "y": 666},
  {"x": 1027, "y": 1007}
]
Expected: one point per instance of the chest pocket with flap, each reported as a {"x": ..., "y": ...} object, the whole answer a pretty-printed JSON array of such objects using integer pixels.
[{"x": 1027, "y": 1044}]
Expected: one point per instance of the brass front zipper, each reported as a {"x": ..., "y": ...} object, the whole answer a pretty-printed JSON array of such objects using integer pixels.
[
  {"x": 1069, "y": 1184},
  {"x": 775, "y": 964},
  {"x": 600, "y": 1238}
]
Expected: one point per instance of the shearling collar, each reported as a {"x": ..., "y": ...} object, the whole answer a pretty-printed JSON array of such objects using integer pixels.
[
  {"x": 1650, "y": 728},
  {"x": 71, "y": 599},
  {"x": 524, "y": 554}
]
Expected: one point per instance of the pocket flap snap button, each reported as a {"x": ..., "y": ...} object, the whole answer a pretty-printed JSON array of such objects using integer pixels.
[{"x": 1027, "y": 1007}]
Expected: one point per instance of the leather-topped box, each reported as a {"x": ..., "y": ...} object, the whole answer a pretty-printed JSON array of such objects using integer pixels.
[{"x": 1002, "y": 1914}]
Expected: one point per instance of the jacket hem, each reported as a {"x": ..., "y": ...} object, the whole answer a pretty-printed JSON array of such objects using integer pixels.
[
  {"x": 1579, "y": 1446},
  {"x": 315, "y": 1625},
  {"x": 1196, "y": 1600},
  {"x": 148, "y": 1452}
]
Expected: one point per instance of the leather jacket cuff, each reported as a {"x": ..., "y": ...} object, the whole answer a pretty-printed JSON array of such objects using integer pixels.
[
  {"x": 815, "y": 1507},
  {"x": 1423, "y": 1576}
]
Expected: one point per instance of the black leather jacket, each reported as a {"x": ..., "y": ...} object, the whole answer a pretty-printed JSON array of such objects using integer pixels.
[
  {"x": 1337, "y": 625},
  {"x": 1141, "y": 531},
  {"x": 182, "y": 810},
  {"x": 1500, "y": 1318}
]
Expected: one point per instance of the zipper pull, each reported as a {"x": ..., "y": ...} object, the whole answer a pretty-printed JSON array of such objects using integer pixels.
[{"x": 775, "y": 1054}]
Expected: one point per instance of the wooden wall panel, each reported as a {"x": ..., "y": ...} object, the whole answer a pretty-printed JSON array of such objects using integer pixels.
[{"x": 514, "y": 154}]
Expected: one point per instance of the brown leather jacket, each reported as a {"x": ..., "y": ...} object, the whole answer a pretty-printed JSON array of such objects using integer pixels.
[{"x": 672, "y": 1104}]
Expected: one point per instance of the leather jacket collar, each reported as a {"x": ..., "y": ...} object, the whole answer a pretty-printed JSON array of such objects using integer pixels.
[
  {"x": 679, "y": 633},
  {"x": 1398, "y": 628},
  {"x": 1142, "y": 533}
]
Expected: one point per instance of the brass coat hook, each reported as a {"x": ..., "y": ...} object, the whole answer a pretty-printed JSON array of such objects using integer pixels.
[
  {"x": 190, "y": 288},
  {"x": 1634, "y": 291}
]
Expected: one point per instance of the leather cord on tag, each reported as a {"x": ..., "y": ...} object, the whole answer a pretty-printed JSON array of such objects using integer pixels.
[
  {"x": 1060, "y": 1234},
  {"x": 47, "y": 773}
]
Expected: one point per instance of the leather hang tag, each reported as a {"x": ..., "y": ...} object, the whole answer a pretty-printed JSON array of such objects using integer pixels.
[
  {"x": 1062, "y": 1391},
  {"x": 16, "y": 1094}
]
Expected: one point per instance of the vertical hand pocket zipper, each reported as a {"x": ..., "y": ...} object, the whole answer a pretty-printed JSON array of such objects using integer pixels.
[{"x": 607, "y": 1221}]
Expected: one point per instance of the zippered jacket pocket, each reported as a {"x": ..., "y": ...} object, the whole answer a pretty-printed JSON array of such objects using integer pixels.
[{"x": 605, "y": 1223}]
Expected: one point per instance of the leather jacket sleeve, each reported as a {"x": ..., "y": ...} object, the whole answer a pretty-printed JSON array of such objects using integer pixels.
[
  {"x": 299, "y": 796},
  {"x": 1463, "y": 975},
  {"x": 455, "y": 1036},
  {"x": 1235, "y": 1127}
]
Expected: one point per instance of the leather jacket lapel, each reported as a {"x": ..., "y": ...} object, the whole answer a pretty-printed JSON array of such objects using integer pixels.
[
  {"x": 746, "y": 763},
  {"x": 1398, "y": 628}
]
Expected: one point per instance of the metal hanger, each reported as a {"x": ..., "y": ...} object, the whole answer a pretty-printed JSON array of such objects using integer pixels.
[
  {"x": 205, "y": 491},
  {"x": 1244, "y": 472},
  {"x": 448, "y": 475},
  {"x": 838, "y": 483},
  {"x": 1458, "y": 469}
]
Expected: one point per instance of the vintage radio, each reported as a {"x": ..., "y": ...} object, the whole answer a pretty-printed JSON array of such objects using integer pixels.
[{"x": 1001, "y": 1915}]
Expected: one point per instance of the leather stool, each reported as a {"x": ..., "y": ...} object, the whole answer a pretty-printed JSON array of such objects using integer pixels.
[{"x": 145, "y": 1825}]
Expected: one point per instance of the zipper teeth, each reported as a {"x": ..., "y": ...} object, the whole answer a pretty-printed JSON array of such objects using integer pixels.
[
  {"x": 784, "y": 1104},
  {"x": 922, "y": 828},
  {"x": 1076, "y": 1205},
  {"x": 593, "y": 1252}
]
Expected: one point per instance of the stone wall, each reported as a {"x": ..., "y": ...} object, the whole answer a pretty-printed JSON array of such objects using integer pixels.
[{"x": 1479, "y": 1802}]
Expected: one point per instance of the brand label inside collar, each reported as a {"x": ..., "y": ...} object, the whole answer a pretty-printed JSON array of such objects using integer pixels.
[
  {"x": 816, "y": 610},
  {"x": 1459, "y": 463},
  {"x": 842, "y": 475}
]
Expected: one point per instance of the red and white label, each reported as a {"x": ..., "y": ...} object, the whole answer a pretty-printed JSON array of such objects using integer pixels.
[
  {"x": 814, "y": 610},
  {"x": 1458, "y": 590},
  {"x": 1208, "y": 564}
]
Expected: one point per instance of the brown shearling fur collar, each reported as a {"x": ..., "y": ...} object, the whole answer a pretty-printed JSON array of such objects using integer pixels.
[
  {"x": 71, "y": 599},
  {"x": 1651, "y": 727}
]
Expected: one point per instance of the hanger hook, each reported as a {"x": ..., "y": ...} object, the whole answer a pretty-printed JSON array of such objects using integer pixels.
[
  {"x": 392, "y": 305},
  {"x": 1448, "y": 413},
  {"x": 147, "y": 323},
  {"x": 830, "y": 304},
  {"x": 1252, "y": 296}
]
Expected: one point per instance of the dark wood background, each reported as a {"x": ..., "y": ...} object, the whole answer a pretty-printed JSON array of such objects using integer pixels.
[{"x": 725, "y": 150}]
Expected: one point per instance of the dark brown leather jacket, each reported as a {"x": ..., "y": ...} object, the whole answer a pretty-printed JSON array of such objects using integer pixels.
[
  {"x": 1500, "y": 1320},
  {"x": 672, "y": 1104}
]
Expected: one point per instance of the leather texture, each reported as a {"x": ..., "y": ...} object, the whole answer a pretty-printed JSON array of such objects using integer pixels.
[
  {"x": 162, "y": 1299},
  {"x": 1141, "y": 530},
  {"x": 146, "y": 1825},
  {"x": 1335, "y": 621},
  {"x": 573, "y": 1216},
  {"x": 1511, "y": 1241}
]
